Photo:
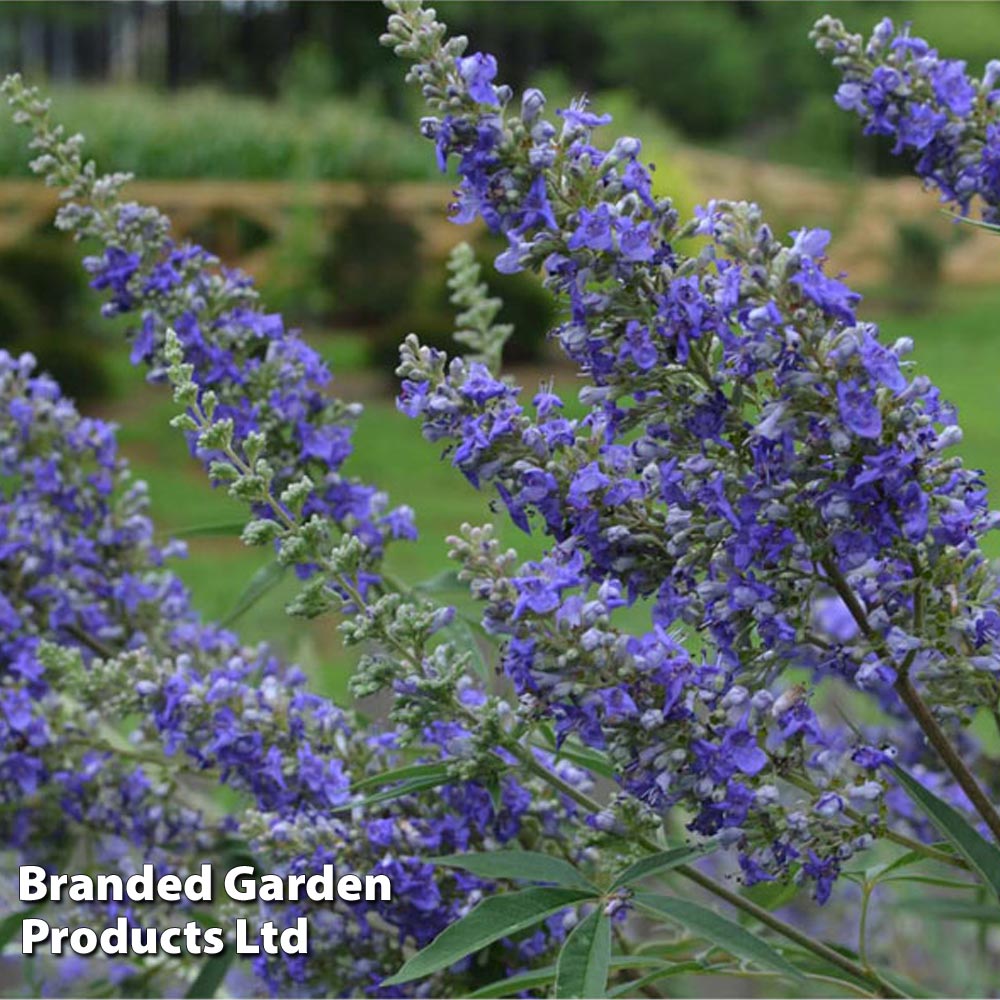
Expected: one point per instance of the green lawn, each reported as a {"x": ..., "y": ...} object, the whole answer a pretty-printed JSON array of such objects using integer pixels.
[
  {"x": 957, "y": 345},
  {"x": 389, "y": 452}
]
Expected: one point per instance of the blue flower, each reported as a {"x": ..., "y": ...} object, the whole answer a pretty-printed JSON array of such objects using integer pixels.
[
  {"x": 859, "y": 410},
  {"x": 593, "y": 230},
  {"x": 478, "y": 71}
]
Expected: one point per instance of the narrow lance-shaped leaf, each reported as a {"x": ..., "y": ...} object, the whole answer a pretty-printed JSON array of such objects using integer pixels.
[
  {"x": 954, "y": 909},
  {"x": 495, "y": 917},
  {"x": 406, "y": 772},
  {"x": 662, "y": 861},
  {"x": 980, "y": 853},
  {"x": 212, "y": 974},
  {"x": 261, "y": 583},
  {"x": 521, "y": 866},
  {"x": 634, "y": 987},
  {"x": 771, "y": 895},
  {"x": 461, "y": 635},
  {"x": 11, "y": 924},
  {"x": 511, "y": 985},
  {"x": 583, "y": 756},
  {"x": 582, "y": 968},
  {"x": 719, "y": 930},
  {"x": 410, "y": 787}
]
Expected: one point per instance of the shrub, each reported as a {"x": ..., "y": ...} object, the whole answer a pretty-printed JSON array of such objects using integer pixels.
[
  {"x": 657, "y": 49},
  {"x": 526, "y": 306},
  {"x": 916, "y": 266},
  {"x": 42, "y": 296},
  {"x": 202, "y": 133},
  {"x": 757, "y": 477},
  {"x": 372, "y": 265}
]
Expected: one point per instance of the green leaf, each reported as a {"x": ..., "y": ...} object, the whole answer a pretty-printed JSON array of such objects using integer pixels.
[
  {"x": 212, "y": 973},
  {"x": 583, "y": 756},
  {"x": 446, "y": 581},
  {"x": 261, "y": 583},
  {"x": 877, "y": 873},
  {"x": 662, "y": 861},
  {"x": 719, "y": 930},
  {"x": 905, "y": 985},
  {"x": 635, "y": 987},
  {"x": 582, "y": 968},
  {"x": 522, "y": 866},
  {"x": 771, "y": 895},
  {"x": 461, "y": 635},
  {"x": 495, "y": 917},
  {"x": 914, "y": 857},
  {"x": 515, "y": 984},
  {"x": 411, "y": 787},
  {"x": 943, "y": 883},
  {"x": 635, "y": 962},
  {"x": 954, "y": 909},
  {"x": 11, "y": 924},
  {"x": 980, "y": 853},
  {"x": 405, "y": 773},
  {"x": 542, "y": 977},
  {"x": 978, "y": 223}
]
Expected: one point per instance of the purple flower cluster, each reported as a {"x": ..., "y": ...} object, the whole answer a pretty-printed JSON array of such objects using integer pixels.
[
  {"x": 934, "y": 111},
  {"x": 78, "y": 566},
  {"x": 81, "y": 577},
  {"x": 266, "y": 379},
  {"x": 755, "y": 508},
  {"x": 754, "y": 466}
]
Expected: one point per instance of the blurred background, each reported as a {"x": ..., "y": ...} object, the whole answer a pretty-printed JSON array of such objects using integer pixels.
[{"x": 281, "y": 136}]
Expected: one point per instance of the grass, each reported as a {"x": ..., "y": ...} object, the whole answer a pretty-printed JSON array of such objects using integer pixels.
[
  {"x": 204, "y": 133},
  {"x": 389, "y": 451},
  {"x": 957, "y": 345}
]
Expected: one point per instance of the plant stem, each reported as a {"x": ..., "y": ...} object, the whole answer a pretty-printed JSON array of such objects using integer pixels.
[
  {"x": 527, "y": 758},
  {"x": 811, "y": 976},
  {"x": 866, "y": 895},
  {"x": 929, "y": 852},
  {"x": 925, "y": 719},
  {"x": 917, "y": 706}
]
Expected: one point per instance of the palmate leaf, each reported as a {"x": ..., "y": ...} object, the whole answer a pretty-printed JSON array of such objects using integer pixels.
[
  {"x": 663, "y": 861},
  {"x": 582, "y": 968},
  {"x": 521, "y": 866},
  {"x": 495, "y": 917},
  {"x": 719, "y": 930},
  {"x": 942, "y": 883},
  {"x": 980, "y": 853}
]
